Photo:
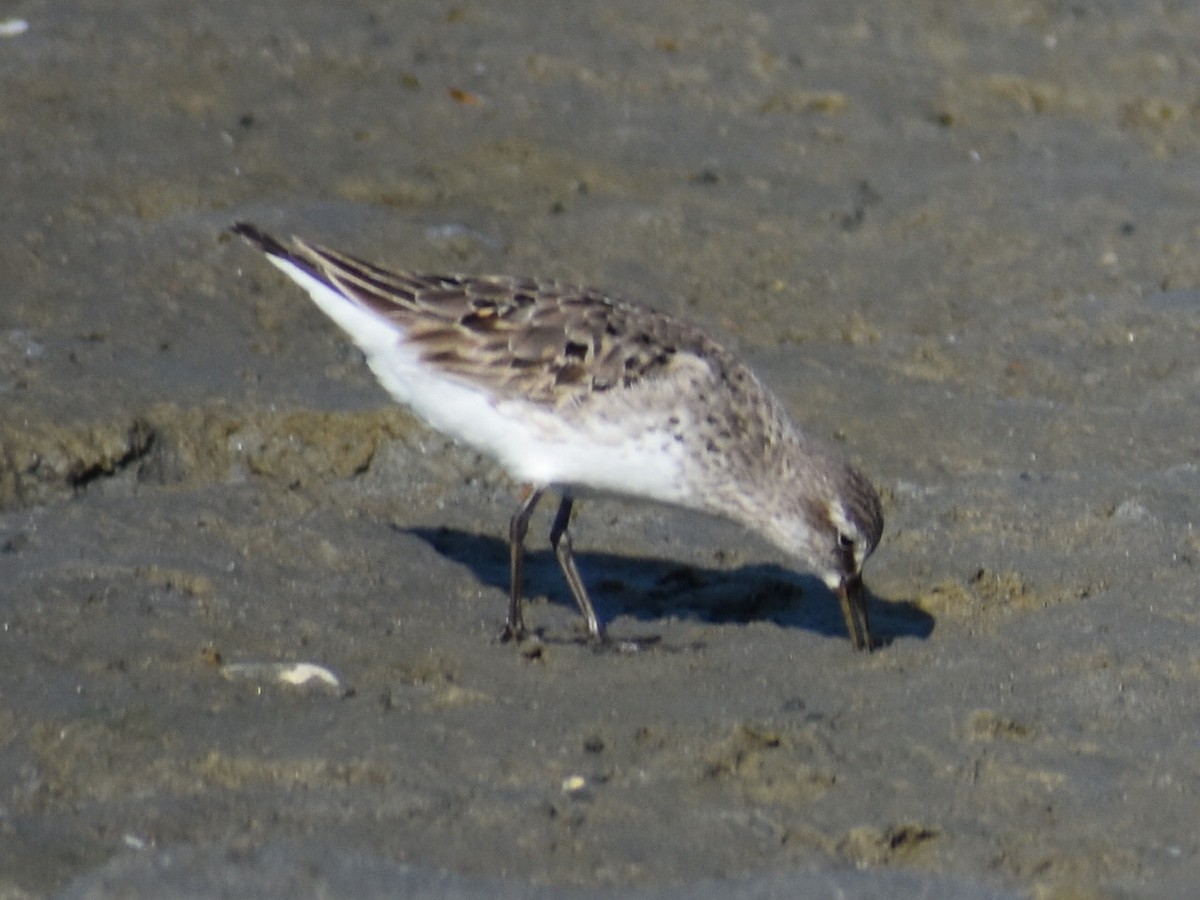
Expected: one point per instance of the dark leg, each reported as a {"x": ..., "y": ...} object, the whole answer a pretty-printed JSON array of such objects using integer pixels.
[
  {"x": 560, "y": 540},
  {"x": 514, "y": 624}
]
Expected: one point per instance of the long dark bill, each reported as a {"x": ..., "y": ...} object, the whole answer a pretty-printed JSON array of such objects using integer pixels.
[{"x": 853, "y": 598}]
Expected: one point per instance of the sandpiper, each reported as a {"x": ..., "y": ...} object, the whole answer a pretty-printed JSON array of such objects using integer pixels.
[{"x": 576, "y": 391}]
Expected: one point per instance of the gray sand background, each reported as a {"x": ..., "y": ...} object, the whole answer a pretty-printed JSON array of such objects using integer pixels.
[{"x": 961, "y": 238}]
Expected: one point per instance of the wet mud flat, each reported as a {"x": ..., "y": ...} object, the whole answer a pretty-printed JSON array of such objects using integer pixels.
[{"x": 248, "y": 609}]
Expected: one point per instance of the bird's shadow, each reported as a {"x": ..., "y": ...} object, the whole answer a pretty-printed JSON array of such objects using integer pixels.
[{"x": 650, "y": 589}]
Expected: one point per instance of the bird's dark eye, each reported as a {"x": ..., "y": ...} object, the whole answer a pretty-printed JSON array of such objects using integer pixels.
[{"x": 845, "y": 542}]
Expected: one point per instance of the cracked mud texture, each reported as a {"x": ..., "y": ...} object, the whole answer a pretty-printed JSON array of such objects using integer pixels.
[{"x": 962, "y": 240}]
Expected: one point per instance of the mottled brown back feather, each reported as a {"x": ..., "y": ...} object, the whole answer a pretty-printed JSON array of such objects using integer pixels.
[{"x": 534, "y": 339}]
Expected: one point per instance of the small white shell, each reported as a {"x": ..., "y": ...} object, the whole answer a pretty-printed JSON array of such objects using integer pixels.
[{"x": 287, "y": 673}]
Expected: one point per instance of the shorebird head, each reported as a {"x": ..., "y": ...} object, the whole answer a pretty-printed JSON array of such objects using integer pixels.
[{"x": 834, "y": 526}]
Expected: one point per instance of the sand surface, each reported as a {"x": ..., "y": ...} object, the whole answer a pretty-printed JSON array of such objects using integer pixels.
[{"x": 961, "y": 239}]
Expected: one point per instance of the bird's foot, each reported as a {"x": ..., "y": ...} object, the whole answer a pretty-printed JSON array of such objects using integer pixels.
[{"x": 513, "y": 632}]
